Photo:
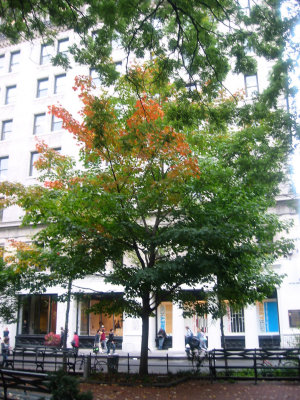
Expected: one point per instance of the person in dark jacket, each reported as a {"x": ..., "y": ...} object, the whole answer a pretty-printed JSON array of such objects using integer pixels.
[
  {"x": 110, "y": 342},
  {"x": 161, "y": 338}
]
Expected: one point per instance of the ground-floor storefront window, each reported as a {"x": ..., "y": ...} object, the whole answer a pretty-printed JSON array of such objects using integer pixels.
[
  {"x": 37, "y": 314},
  {"x": 89, "y": 323},
  {"x": 268, "y": 316},
  {"x": 165, "y": 317}
]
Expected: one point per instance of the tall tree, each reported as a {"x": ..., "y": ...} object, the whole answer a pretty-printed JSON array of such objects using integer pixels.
[{"x": 175, "y": 192}]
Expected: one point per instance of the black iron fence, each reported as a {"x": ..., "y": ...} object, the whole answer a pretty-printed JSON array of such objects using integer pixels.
[{"x": 252, "y": 364}]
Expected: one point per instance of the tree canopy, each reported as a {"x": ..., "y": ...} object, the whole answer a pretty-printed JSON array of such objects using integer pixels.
[{"x": 195, "y": 40}]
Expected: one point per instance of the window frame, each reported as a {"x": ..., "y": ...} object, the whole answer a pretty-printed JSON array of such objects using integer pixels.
[
  {"x": 292, "y": 323},
  {"x": 2, "y": 62},
  {"x": 59, "y": 44},
  {"x": 40, "y": 90},
  {"x": 58, "y": 89},
  {"x": 3, "y": 169},
  {"x": 36, "y": 126},
  {"x": 45, "y": 58},
  {"x": 237, "y": 320},
  {"x": 249, "y": 89},
  {"x": 95, "y": 77},
  {"x": 13, "y": 65},
  {"x": 32, "y": 169},
  {"x": 4, "y": 132},
  {"x": 54, "y": 122},
  {"x": 7, "y": 96}
]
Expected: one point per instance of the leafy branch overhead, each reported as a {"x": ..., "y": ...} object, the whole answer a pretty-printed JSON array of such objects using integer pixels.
[{"x": 194, "y": 40}]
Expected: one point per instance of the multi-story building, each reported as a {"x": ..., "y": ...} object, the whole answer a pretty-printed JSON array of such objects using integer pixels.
[{"x": 29, "y": 83}]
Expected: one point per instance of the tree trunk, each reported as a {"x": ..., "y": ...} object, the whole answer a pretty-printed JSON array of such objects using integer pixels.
[
  {"x": 67, "y": 313},
  {"x": 67, "y": 324},
  {"x": 223, "y": 344},
  {"x": 222, "y": 332},
  {"x": 144, "y": 345}
]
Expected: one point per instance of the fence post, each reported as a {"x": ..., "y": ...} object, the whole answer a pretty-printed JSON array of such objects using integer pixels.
[
  {"x": 167, "y": 363},
  {"x": 255, "y": 367},
  {"x": 128, "y": 367},
  {"x": 87, "y": 366}
]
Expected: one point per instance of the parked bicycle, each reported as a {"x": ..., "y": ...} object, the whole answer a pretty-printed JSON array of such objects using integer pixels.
[{"x": 267, "y": 366}]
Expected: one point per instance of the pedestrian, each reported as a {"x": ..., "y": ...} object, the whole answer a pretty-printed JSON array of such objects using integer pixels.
[
  {"x": 110, "y": 342},
  {"x": 102, "y": 341},
  {"x": 97, "y": 342},
  {"x": 161, "y": 338},
  {"x": 75, "y": 343},
  {"x": 202, "y": 338},
  {"x": 188, "y": 335},
  {"x": 6, "y": 333},
  {"x": 5, "y": 351},
  {"x": 62, "y": 336}
]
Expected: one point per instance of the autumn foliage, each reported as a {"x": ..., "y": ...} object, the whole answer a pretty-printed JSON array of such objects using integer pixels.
[{"x": 136, "y": 145}]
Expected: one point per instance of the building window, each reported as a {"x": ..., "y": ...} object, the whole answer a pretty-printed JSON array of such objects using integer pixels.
[
  {"x": 42, "y": 87},
  {"x": 59, "y": 83},
  {"x": 56, "y": 123},
  {"x": 91, "y": 322},
  {"x": 245, "y": 6},
  {"x": 39, "y": 123},
  {"x": 11, "y": 94},
  {"x": 62, "y": 46},
  {"x": 38, "y": 314},
  {"x": 46, "y": 55},
  {"x": 3, "y": 167},
  {"x": 237, "y": 320},
  {"x": 165, "y": 317},
  {"x": 34, "y": 156},
  {"x": 14, "y": 61},
  {"x": 294, "y": 318},
  {"x": 95, "y": 77},
  {"x": 2, "y": 60},
  {"x": 251, "y": 85},
  {"x": 6, "y": 129},
  {"x": 268, "y": 316},
  {"x": 118, "y": 65}
]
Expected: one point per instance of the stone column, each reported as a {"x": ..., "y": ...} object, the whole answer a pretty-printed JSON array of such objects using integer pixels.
[
  {"x": 251, "y": 331},
  {"x": 178, "y": 329}
]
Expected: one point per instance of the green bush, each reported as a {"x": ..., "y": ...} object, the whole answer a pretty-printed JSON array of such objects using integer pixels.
[{"x": 66, "y": 387}]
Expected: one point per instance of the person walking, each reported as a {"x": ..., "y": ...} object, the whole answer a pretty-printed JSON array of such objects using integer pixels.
[
  {"x": 102, "y": 341},
  {"x": 110, "y": 343},
  {"x": 188, "y": 335},
  {"x": 5, "y": 351},
  {"x": 75, "y": 343},
  {"x": 202, "y": 338},
  {"x": 97, "y": 342},
  {"x": 62, "y": 336}
]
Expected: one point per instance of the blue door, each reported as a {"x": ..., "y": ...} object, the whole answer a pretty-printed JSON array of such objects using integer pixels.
[{"x": 271, "y": 316}]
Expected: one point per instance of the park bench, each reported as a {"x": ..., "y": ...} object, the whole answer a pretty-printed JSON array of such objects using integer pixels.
[
  {"x": 16, "y": 384},
  {"x": 42, "y": 359}
]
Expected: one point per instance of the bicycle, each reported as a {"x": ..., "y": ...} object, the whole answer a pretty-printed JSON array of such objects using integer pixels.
[
  {"x": 268, "y": 367},
  {"x": 99, "y": 365}
]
